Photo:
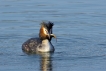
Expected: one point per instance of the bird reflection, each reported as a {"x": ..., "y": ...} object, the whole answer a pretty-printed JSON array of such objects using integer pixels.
[{"x": 45, "y": 62}]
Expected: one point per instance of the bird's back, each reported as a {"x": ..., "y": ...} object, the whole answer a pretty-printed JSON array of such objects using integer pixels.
[{"x": 31, "y": 45}]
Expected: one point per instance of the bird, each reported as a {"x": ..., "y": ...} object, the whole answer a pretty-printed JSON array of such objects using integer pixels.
[{"x": 43, "y": 42}]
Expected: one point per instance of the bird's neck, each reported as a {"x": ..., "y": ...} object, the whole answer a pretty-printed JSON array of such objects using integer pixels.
[{"x": 46, "y": 46}]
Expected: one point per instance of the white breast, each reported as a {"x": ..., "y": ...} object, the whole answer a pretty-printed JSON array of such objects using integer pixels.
[{"x": 46, "y": 46}]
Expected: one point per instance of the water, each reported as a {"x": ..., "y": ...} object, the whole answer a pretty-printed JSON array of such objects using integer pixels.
[{"x": 80, "y": 26}]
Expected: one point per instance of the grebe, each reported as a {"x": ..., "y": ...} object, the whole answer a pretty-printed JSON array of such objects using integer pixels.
[{"x": 43, "y": 43}]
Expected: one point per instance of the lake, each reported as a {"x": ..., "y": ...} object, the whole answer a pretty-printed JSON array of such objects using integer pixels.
[{"x": 80, "y": 27}]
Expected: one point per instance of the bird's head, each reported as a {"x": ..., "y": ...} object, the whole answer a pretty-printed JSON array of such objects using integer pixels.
[{"x": 46, "y": 31}]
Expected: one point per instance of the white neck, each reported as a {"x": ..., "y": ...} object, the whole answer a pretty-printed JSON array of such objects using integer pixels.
[{"x": 46, "y": 46}]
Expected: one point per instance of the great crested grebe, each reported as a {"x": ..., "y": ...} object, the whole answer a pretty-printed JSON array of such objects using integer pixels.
[{"x": 43, "y": 42}]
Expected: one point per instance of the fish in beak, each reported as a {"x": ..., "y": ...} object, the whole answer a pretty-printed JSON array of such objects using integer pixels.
[{"x": 52, "y": 35}]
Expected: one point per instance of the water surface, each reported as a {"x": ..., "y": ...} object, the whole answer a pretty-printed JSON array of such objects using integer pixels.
[{"x": 80, "y": 27}]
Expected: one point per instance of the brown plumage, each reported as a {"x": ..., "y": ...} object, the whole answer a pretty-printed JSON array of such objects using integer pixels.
[{"x": 43, "y": 34}]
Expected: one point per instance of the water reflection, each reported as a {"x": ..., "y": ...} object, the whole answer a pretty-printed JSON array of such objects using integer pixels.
[{"x": 46, "y": 62}]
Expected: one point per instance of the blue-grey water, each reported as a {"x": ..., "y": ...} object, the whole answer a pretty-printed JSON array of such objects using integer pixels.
[{"x": 80, "y": 27}]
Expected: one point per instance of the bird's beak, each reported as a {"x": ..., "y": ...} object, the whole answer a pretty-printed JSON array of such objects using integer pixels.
[
  {"x": 52, "y": 35},
  {"x": 49, "y": 36}
]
